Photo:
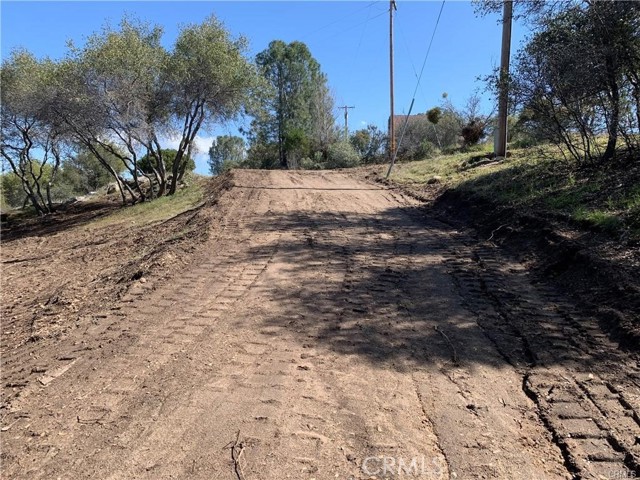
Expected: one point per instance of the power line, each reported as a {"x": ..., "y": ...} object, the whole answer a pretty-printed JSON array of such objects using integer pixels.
[
  {"x": 363, "y": 23},
  {"x": 429, "y": 48},
  {"x": 406, "y": 47},
  {"x": 343, "y": 18},
  {"x": 362, "y": 34},
  {"x": 413, "y": 67},
  {"x": 404, "y": 128}
]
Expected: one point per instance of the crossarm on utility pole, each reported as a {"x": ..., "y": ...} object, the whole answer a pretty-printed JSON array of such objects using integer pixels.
[{"x": 346, "y": 122}]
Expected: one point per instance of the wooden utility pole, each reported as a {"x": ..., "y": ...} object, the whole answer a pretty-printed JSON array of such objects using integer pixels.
[
  {"x": 346, "y": 122},
  {"x": 392, "y": 130},
  {"x": 503, "y": 99}
]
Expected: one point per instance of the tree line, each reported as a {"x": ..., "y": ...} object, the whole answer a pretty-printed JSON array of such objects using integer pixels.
[
  {"x": 105, "y": 108},
  {"x": 293, "y": 126},
  {"x": 576, "y": 81},
  {"x": 101, "y": 113}
]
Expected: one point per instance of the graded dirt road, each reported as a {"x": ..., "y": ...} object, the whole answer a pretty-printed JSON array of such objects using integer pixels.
[{"x": 328, "y": 329}]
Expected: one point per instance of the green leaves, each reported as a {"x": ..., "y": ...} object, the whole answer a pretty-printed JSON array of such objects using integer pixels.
[
  {"x": 297, "y": 107},
  {"x": 434, "y": 115},
  {"x": 209, "y": 68},
  {"x": 28, "y": 126},
  {"x": 226, "y": 152},
  {"x": 370, "y": 143},
  {"x": 576, "y": 79}
]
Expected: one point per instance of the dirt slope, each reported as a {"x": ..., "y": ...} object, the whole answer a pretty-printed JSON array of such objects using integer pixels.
[{"x": 326, "y": 329}]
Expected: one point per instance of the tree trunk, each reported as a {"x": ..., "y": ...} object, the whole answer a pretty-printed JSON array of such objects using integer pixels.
[
  {"x": 32, "y": 198},
  {"x": 161, "y": 174},
  {"x": 54, "y": 173},
  {"x": 136, "y": 182},
  {"x": 192, "y": 125},
  {"x": 281, "y": 153},
  {"x": 635, "y": 84},
  {"x": 183, "y": 164},
  {"x": 37, "y": 195},
  {"x": 49, "y": 202},
  {"x": 34, "y": 201},
  {"x": 614, "y": 123}
]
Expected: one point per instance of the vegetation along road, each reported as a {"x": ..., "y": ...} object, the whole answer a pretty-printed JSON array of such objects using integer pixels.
[{"x": 325, "y": 326}]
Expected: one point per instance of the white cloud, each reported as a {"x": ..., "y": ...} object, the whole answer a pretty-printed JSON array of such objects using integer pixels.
[
  {"x": 201, "y": 143},
  {"x": 200, "y": 150}
]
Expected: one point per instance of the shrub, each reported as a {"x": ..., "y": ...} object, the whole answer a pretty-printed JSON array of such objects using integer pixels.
[
  {"x": 427, "y": 150},
  {"x": 342, "y": 155},
  {"x": 12, "y": 190},
  {"x": 434, "y": 115},
  {"x": 315, "y": 163},
  {"x": 473, "y": 132}
]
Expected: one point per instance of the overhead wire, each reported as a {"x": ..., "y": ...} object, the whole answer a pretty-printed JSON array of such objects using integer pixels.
[
  {"x": 413, "y": 67},
  {"x": 343, "y": 18},
  {"x": 363, "y": 23},
  {"x": 424, "y": 63},
  {"x": 364, "y": 28},
  {"x": 426, "y": 57}
]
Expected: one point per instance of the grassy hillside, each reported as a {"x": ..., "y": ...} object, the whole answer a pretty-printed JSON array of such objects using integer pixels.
[
  {"x": 160, "y": 208},
  {"x": 538, "y": 180},
  {"x": 104, "y": 209}
]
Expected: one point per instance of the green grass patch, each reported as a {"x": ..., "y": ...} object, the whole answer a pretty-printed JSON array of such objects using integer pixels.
[
  {"x": 158, "y": 209},
  {"x": 539, "y": 181},
  {"x": 598, "y": 218}
]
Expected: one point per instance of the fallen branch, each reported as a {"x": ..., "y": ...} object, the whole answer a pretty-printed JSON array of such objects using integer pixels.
[
  {"x": 7, "y": 427},
  {"x": 28, "y": 259},
  {"x": 453, "y": 349},
  {"x": 496, "y": 231},
  {"x": 237, "y": 447},
  {"x": 92, "y": 421}
]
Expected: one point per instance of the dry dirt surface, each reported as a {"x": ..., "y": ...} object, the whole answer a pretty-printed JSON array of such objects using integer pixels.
[{"x": 325, "y": 328}]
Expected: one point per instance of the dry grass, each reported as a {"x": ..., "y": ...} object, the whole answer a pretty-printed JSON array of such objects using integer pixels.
[{"x": 540, "y": 180}]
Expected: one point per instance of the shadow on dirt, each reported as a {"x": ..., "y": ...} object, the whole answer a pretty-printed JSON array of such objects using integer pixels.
[
  {"x": 63, "y": 219},
  {"x": 400, "y": 286},
  {"x": 600, "y": 273}
]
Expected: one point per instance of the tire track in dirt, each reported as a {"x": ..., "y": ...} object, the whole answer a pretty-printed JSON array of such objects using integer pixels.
[
  {"x": 145, "y": 321},
  {"x": 584, "y": 402},
  {"x": 474, "y": 403},
  {"x": 326, "y": 329}
]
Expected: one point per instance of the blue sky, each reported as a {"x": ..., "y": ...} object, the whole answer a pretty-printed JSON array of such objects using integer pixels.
[{"x": 349, "y": 39}]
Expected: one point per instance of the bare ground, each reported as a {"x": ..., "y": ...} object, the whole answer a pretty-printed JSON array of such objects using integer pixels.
[{"x": 324, "y": 327}]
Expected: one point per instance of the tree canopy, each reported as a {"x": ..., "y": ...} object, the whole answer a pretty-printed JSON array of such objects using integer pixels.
[
  {"x": 32, "y": 137},
  {"x": 577, "y": 79},
  {"x": 225, "y": 152},
  {"x": 370, "y": 143},
  {"x": 119, "y": 95},
  {"x": 296, "y": 116}
]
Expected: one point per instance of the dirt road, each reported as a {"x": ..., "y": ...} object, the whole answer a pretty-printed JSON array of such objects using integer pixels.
[{"x": 329, "y": 329}]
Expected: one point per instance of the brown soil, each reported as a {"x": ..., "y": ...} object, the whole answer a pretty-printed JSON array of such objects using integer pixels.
[
  {"x": 321, "y": 327},
  {"x": 601, "y": 273}
]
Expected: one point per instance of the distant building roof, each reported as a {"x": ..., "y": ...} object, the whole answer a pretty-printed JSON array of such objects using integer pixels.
[{"x": 399, "y": 120}]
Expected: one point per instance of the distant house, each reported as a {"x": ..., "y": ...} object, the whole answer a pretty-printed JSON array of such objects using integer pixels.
[{"x": 399, "y": 121}]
